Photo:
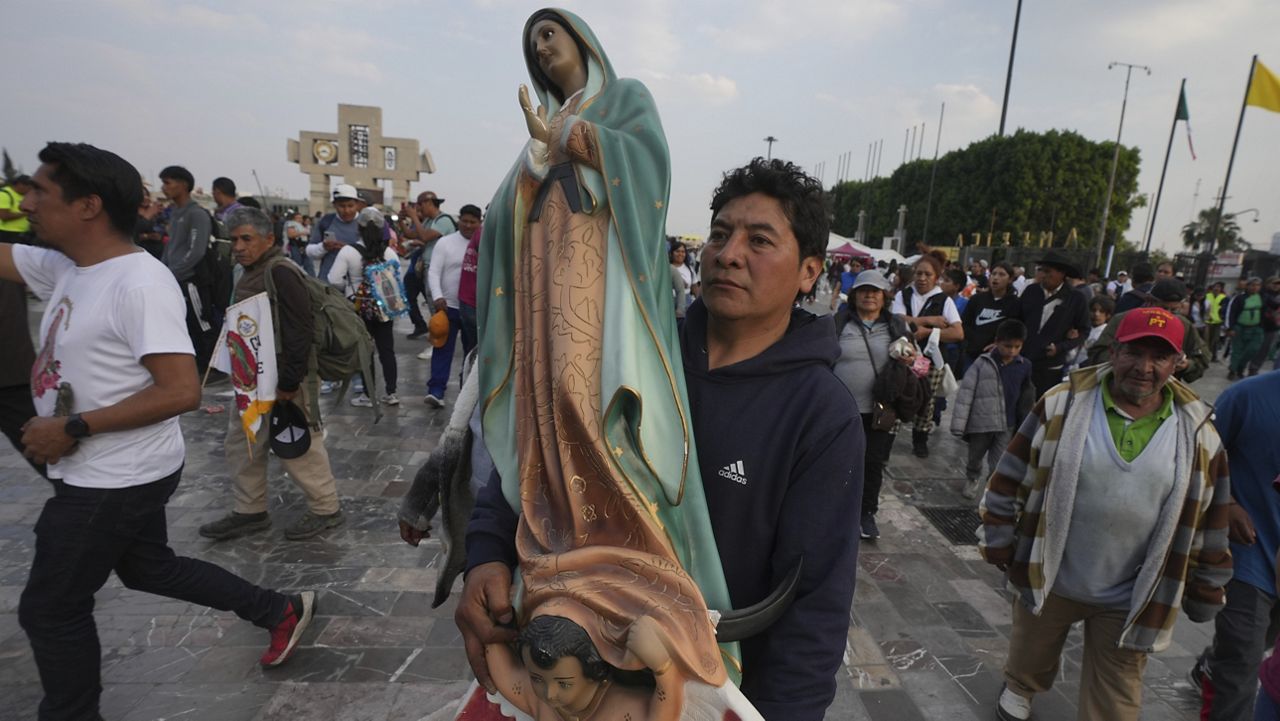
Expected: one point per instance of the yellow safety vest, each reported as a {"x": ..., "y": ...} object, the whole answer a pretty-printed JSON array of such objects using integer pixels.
[
  {"x": 10, "y": 199},
  {"x": 1215, "y": 307}
]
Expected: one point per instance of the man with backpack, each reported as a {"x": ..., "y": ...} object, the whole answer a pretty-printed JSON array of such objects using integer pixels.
[
  {"x": 190, "y": 228},
  {"x": 267, "y": 269},
  {"x": 427, "y": 224},
  {"x": 1270, "y": 312},
  {"x": 1244, "y": 323}
]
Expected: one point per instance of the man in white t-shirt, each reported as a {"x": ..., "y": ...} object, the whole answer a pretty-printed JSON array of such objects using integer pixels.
[
  {"x": 443, "y": 276},
  {"x": 115, "y": 369}
]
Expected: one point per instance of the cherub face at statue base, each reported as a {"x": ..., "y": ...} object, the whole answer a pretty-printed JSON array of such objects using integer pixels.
[{"x": 564, "y": 687}]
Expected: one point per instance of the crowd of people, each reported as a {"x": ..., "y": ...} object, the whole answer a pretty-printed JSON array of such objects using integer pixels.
[
  {"x": 1059, "y": 384},
  {"x": 1108, "y": 362},
  {"x": 1111, "y": 363}
]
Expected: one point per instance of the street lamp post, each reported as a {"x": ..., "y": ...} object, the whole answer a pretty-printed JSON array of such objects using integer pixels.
[
  {"x": 1115, "y": 160},
  {"x": 770, "y": 140},
  {"x": 1008, "y": 78}
]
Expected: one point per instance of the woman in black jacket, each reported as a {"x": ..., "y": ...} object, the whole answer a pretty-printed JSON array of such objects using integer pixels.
[{"x": 986, "y": 309}]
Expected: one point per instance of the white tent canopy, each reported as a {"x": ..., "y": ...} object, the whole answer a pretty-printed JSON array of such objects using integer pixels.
[{"x": 835, "y": 241}]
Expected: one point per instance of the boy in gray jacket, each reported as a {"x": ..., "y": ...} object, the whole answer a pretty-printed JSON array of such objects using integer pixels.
[{"x": 996, "y": 394}]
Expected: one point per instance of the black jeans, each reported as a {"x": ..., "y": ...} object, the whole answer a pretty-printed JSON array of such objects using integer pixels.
[
  {"x": 384, "y": 341},
  {"x": 83, "y": 535},
  {"x": 1242, "y": 632},
  {"x": 204, "y": 335},
  {"x": 1045, "y": 378},
  {"x": 879, "y": 444}
]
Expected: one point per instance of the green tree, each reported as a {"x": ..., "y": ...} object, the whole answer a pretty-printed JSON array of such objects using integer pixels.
[
  {"x": 1025, "y": 183},
  {"x": 1195, "y": 235}
]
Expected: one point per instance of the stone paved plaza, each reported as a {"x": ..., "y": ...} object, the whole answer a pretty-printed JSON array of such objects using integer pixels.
[{"x": 927, "y": 633}]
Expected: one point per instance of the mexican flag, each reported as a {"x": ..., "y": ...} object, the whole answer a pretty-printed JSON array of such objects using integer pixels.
[{"x": 246, "y": 351}]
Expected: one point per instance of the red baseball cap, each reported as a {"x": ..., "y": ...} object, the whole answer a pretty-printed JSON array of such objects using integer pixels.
[{"x": 1151, "y": 323}]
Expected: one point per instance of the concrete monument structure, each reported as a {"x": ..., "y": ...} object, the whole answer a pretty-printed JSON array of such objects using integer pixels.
[{"x": 360, "y": 154}]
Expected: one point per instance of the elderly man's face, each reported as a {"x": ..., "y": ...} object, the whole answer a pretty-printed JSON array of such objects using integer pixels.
[
  {"x": 248, "y": 245},
  {"x": 1050, "y": 277},
  {"x": 1142, "y": 367}
]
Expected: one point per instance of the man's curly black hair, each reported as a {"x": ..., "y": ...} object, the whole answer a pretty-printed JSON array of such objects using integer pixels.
[{"x": 803, "y": 200}]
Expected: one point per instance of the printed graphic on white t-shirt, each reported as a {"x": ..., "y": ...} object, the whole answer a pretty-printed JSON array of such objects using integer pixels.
[{"x": 101, "y": 321}]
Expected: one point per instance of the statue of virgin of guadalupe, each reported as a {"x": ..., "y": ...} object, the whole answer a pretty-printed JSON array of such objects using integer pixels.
[{"x": 584, "y": 403}]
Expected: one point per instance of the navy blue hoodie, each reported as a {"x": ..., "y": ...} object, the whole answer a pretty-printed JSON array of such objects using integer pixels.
[{"x": 780, "y": 446}]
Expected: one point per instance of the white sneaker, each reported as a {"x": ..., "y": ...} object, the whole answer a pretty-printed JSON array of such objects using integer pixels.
[
  {"x": 426, "y": 354},
  {"x": 390, "y": 399},
  {"x": 361, "y": 401},
  {"x": 1013, "y": 707},
  {"x": 326, "y": 387},
  {"x": 433, "y": 401}
]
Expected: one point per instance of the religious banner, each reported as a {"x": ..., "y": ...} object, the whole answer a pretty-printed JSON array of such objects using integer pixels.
[{"x": 246, "y": 352}]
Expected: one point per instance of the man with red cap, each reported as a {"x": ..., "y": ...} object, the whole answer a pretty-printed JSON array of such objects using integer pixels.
[{"x": 1110, "y": 507}]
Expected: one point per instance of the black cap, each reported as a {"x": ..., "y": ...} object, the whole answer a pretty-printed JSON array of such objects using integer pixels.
[
  {"x": 290, "y": 432},
  {"x": 1169, "y": 290}
]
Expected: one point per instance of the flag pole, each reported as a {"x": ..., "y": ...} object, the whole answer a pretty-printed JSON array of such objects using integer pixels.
[
  {"x": 1222, "y": 199},
  {"x": 933, "y": 173},
  {"x": 1155, "y": 209}
]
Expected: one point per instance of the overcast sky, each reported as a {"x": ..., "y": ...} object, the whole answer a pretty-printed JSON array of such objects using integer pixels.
[{"x": 220, "y": 87}]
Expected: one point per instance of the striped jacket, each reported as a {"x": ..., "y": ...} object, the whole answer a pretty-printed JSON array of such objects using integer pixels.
[{"x": 1027, "y": 509}]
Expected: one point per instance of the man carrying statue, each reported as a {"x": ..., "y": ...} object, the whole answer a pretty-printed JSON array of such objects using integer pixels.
[{"x": 620, "y": 531}]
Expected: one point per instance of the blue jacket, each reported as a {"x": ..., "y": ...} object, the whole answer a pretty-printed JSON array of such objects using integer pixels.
[{"x": 1247, "y": 416}]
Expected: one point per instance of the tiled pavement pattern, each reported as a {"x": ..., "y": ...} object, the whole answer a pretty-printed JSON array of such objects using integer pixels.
[{"x": 927, "y": 633}]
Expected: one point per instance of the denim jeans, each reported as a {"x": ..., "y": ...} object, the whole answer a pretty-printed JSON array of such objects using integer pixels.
[
  {"x": 442, "y": 357},
  {"x": 470, "y": 335},
  {"x": 83, "y": 535}
]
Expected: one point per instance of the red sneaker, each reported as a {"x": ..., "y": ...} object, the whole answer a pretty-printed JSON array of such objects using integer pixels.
[{"x": 285, "y": 635}]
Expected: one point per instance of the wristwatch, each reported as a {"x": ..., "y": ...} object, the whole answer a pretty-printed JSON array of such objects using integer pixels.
[{"x": 76, "y": 427}]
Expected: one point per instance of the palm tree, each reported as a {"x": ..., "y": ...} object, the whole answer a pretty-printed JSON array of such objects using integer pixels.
[{"x": 1195, "y": 234}]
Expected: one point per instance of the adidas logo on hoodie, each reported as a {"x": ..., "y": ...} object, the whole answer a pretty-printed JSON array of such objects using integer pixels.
[{"x": 734, "y": 472}]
